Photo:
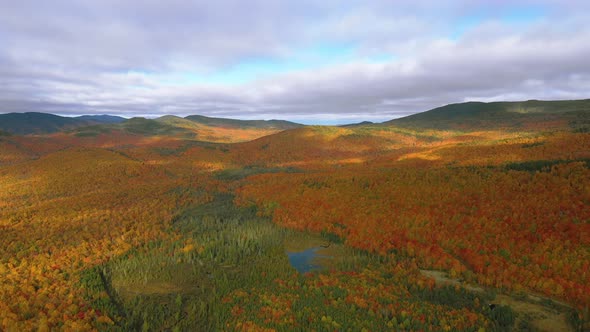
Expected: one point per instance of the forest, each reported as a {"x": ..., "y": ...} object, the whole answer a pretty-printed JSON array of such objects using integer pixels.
[{"x": 421, "y": 228}]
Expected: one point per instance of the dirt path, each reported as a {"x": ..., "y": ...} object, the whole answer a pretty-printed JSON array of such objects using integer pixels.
[{"x": 540, "y": 316}]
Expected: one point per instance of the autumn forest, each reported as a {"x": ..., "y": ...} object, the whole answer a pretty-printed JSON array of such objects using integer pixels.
[{"x": 469, "y": 217}]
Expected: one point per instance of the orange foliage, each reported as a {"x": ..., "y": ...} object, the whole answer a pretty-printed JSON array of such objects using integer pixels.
[
  {"x": 513, "y": 229},
  {"x": 69, "y": 211}
]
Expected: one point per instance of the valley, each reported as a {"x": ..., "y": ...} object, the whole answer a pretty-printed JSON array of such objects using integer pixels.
[{"x": 417, "y": 224}]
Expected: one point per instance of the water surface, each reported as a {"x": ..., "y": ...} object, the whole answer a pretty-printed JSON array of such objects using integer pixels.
[{"x": 307, "y": 260}]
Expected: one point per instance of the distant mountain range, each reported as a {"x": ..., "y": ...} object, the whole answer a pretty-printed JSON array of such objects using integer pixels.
[
  {"x": 469, "y": 115},
  {"x": 44, "y": 123}
]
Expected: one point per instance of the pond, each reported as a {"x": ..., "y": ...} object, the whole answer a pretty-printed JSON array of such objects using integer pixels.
[
  {"x": 311, "y": 253},
  {"x": 308, "y": 260}
]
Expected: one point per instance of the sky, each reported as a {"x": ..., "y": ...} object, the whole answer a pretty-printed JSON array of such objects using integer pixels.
[{"x": 313, "y": 62}]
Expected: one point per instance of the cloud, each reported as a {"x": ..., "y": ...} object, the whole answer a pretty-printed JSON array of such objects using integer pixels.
[{"x": 143, "y": 57}]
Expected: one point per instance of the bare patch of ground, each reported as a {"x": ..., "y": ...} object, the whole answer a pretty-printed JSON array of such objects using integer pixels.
[{"x": 529, "y": 307}]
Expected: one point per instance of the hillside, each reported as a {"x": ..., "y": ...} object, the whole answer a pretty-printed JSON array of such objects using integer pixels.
[
  {"x": 37, "y": 123},
  {"x": 44, "y": 123},
  {"x": 143, "y": 126},
  {"x": 103, "y": 118},
  {"x": 573, "y": 114},
  {"x": 218, "y": 130},
  {"x": 360, "y": 124},
  {"x": 233, "y": 123}
]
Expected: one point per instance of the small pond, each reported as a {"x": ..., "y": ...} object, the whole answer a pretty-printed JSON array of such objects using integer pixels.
[
  {"x": 311, "y": 253},
  {"x": 308, "y": 260}
]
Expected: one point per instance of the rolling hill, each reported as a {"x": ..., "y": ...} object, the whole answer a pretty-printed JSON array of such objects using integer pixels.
[
  {"x": 360, "y": 124},
  {"x": 222, "y": 130},
  {"x": 150, "y": 127},
  {"x": 507, "y": 115},
  {"x": 234, "y": 123},
  {"x": 103, "y": 118}
]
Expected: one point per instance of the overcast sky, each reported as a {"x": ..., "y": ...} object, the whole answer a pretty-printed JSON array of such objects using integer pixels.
[{"x": 325, "y": 61}]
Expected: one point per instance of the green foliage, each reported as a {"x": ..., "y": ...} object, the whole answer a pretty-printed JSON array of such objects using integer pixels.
[
  {"x": 96, "y": 282},
  {"x": 503, "y": 317},
  {"x": 93, "y": 131},
  {"x": 234, "y": 174},
  {"x": 450, "y": 296},
  {"x": 575, "y": 320},
  {"x": 504, "y": 253},
  {"x": 541, "y": 165},
  {"x": 524, "y": 325},
  {"x": 582, "y": 130},
  {"x": 149, "y": 127},
  {"x": 532, "y": 145},
  {"x": 315, "y": 184},
  {"x": 165, "y": 151},
  {"x": 165, "y": 287},
  {"x": 332, "y": 237}
]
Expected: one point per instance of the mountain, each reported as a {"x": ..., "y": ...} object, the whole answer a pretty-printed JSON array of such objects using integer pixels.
[
  {"x": 176, "y": 121},
  {"x": 507, "y": 115},
  {"x": 234, "y": 123},
  {"x": 200, "y": 128},
  {"x": 37, "y": 123},
  {"x": 104, "y": 118},
  {"x": 221, "y": 130},
  {"x": 45, "y": 123},
  {"x": 145, "y": 126},
  {"x": 360, "y": 124},
  {"x": 135, "y": 126}
]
